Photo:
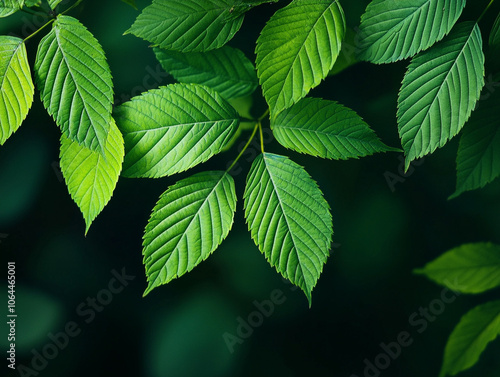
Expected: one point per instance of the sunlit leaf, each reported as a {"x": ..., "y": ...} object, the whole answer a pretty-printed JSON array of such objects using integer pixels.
[
  {"x": 8, "y": 7},
  {"x": 326, "y": 129},
  {"x": 297, "y": 49},
  {"x": 174, "y": 128},
  {"x": 75, "y": 83},
  {"x": 289, "y": 219},
  {"x": 91, "y": 176},
  {"x": 188, "y": 223},
  {"x": 16, "y": 86}
]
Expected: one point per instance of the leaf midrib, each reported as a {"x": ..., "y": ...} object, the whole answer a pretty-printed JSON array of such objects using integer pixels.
[
  {"x": 441, "y": 86},
  {"x": 306, "y": 37},
  {"x": 287, "y": 223},
  {"x": 192, "y": 124},
  {"x": 193, "y": 14},
  {"x": 403, "y": 20},
  {"x": 8, "y": 66},
  {"x": 188, "y": 226},
  {"x": 323, "y": 133},
  {"x": 58, "y": 30}
]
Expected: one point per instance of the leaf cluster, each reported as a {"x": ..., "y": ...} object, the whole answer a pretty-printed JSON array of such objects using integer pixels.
[{"x": 174, "y": 128}]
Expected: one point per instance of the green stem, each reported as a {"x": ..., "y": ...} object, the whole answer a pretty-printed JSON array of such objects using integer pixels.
[
  {"x": 36, "y": 32},
  {"x": 245, "y": 147},
  {"x": 485, "y": 10},
  {"x": 52, "y": 20},
  {"x": 261, "y": 138},
  {"x": 263, "y": 116}
]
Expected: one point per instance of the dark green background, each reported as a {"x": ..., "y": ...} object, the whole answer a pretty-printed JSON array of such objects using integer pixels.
[{"x": 364, "y": 297}]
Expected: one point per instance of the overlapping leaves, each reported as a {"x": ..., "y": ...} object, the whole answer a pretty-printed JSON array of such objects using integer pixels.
[
  {"x": 395, "y": 30},
  {"x": 174, "y": 128},
  {"x": 74, "y": 80},
  {"x": 91, "y": 176},
  {"x": 297, "y": 49},
  {"x": 187, "y": 25},
  {"x": 440, "y": 91},
  {"x": 326, "y": 129},
  {"x": 226, "y": 70}
]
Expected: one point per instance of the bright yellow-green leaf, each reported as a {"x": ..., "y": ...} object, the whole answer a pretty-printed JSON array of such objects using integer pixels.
[
  {"x": 289, "y": 219},
  {"x": 173, "y": 128},
  {"x": 75, "y": 83},
  {"x": 16, "y": 86},
  {"x": 297, "y": 49},
  {"x": 188, "y": 223},
  {"x": 91, "y": 176},
  {"x": 8, "y": 7}
]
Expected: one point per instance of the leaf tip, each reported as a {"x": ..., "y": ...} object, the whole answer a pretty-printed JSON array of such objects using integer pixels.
[
  {"x": 308, "y": 296},
  {"x": 148, "y": 289},
  {"x": 408, "y": 161}
]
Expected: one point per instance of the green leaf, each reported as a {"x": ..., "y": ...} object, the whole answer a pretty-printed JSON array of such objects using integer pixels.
[
  {"x": 16, "y": 86},
  {"x": 297, "y": 49},
  {"x": 478, "y": 158},
  {"x": 440, "y": 91},
  {"x": 174, "y": 128},
  {"x": 32, "y": 3},
  {"x": 188, "y": 223},
  {"x": 240, "y": 7},
  {"x": 494, "y": 40},
  {"x": 54, "y": 3},
  {"x": 186, "y": 25},
  {"x": 8, "y": 7},
  {"x": 131, "y": 3},
  {"x": 470, "y": 268},
  {"x": 91, "y": 176},
  {"x": 226, "y": 70},
  {"x": 395, "y": 30},
  {"x": 289, "y": 219},
  {"x": 75, "y": 82},
  {"x": 326, "y": 129},
  {"x": 469, "y": 339}
]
